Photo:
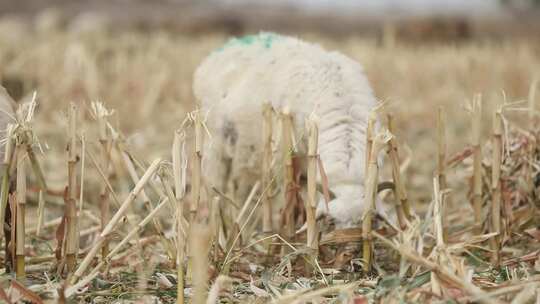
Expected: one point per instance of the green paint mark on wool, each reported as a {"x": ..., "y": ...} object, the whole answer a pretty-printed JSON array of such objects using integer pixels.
[{"x": 264, "y": 39}]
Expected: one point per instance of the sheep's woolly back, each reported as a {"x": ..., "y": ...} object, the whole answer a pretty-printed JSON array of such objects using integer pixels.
[{"x": 234, "y": 82}]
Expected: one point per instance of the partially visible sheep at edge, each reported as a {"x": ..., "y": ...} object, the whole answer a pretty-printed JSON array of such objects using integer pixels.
[
  {"x": 7, "y": 115},
  {"x": 234, "y": 82}
]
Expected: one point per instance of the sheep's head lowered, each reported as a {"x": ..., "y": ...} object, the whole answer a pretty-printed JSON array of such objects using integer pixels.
[{"x": 235, "y": 81}]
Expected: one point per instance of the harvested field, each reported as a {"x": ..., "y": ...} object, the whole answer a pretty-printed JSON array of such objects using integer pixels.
[{"x": 105, "y": 141}]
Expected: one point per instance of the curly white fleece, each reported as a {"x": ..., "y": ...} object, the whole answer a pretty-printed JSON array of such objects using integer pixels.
[{"x": 234, "y": 82}]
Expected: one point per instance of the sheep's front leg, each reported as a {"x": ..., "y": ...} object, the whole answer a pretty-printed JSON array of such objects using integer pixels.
[
  {"x": 216, "y": 166},
  {"x": 245, "y": 172}
]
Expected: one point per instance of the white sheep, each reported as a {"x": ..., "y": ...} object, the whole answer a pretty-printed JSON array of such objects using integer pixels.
[{"x": 234, "y": 82}]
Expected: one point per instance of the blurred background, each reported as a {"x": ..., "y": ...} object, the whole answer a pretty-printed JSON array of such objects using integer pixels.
[
  {"x": 138, "y": 58},
  {"x": 412, "y": 18}
]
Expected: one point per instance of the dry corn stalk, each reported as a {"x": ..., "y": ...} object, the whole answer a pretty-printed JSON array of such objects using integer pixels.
[
  {"x": 311, "y": 203},
  {"x": 235, "y": 235},
  {"x": 200, "y": 243},
  {"x": 114, "y": 221},
  {"x": 178, "y": 159},
  {"x": 179, "y": 235},
  {"x": 408, "y": 253},
  {"x": 267, "y": 168},
  {"x": 196, "y": 164},
  {"x": 379, "y": 141},
  {"x": 20, "y": 210},
  {"x": 403, "y": 209},
  {"x": 477, "y": 162},
  {"x": 180, "y": 249},
  {"x": 147, "y": 202},
  {"x": 42, "y": 184},
  {"x": 435, "y": 282},
  {"x": 288, "y": 175},
  {"x": 438, "y": 212},
  {"x": 441, "y": 161},
  {"x": 196, "y": 159},
  {"x": 369, "y": 139},
  {"x": 440, "y": 232},
  {"x": 496, "y": 193},
  {"x": 105, "y": 144},
  {"x": 132, "y": 233},
  {"x": 71, "y": 232},
  {"x": 215, "y": 223}
]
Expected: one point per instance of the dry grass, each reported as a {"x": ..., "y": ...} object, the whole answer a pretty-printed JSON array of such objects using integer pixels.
[{"x": 436, "y": 253}]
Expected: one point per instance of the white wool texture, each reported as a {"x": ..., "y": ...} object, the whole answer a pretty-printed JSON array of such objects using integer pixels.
[{"x": 233, "y": 83}]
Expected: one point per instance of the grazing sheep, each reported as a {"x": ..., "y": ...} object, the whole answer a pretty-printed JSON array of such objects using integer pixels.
[{"x": 235, "y": 81}]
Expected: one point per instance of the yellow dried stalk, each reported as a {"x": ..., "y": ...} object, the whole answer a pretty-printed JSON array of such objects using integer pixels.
[
  {"x": 438, "y": 212},
  {"x": 369, "y": 140},
  {"x": 200, "y": 243},
  {"x": 236, "y": 231},
  {"x": 41, "y": 212},
  {"x": 441, "y": 162},
  {"x": 138, "y": 228},
  {"x": 94, "y": 161},
  {"x": 496, "y": 185},
  {"x": 250, "y": 201},
  {"x": 114, "y": 220},
  {"x": 311, "y": 203},
  {"x": 226, "y": 261},
  {"x": 408, "y": 253},
  {"x": 196, "y": 164},
  {"x": 20, "y": 211},
  {"x": 196, "y": 159},
  {"x": 179, "y": 182},
  {"x": 71, "y": 290},
  {"x": 403, "y": 207},
  {"x": 71, "y": 233},
  {"x": 42, "y": 184},
  {"x": 178, "y": 158},
  {"x": 288, "y": 175},
  {"x": 267, "y": 168},
  {"x": 215, "y": 223},
  {"x": 477, "y": 162},
  {"x": 105, "y": 151},
  {"x": 439, "y": 231},
  {"x": 147, "y": 203},
  {"x": 313, "y": 295},
  {"x": 180, "y": 253},
  {"x": 179, "y": 234},
  {"x": 132, "y": 234},
  {"x": 379, "y": 141},
  {"x": 441, "y": 149}
]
